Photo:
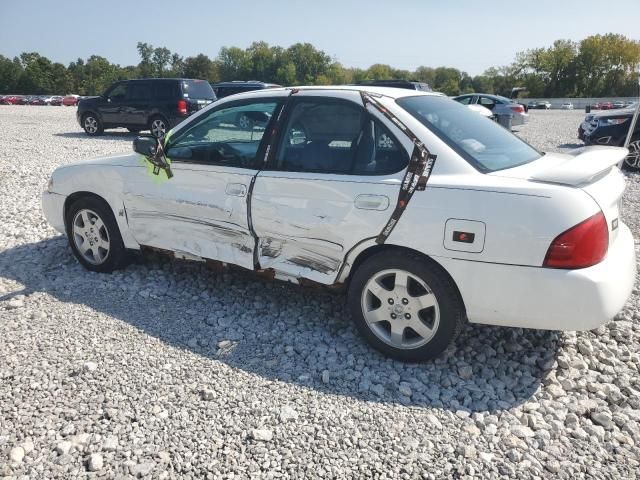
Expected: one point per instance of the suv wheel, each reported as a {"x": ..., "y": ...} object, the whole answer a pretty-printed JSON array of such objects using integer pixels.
[
  {"x": 405, "y": 306},
  {"x": 158, "y": 127},
  {"x": 244, "y": 122},
  {"x": 632, "y": 161},
  {"x": 94, "y": 236},
  {"x": 92, "y": 125}
]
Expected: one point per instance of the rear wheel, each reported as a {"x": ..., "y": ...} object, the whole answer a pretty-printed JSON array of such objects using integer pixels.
[
  {"x": 244, "y": 122},
  {"x": 632, "y": 161},
  {"x": 92, "y": 125},
  {"x": 405, "y": 306},
  {"x": 94, "y": 235},
  {"x": 158, "y": 126}
]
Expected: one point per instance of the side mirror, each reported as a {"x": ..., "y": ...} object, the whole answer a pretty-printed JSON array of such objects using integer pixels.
[{"x": 146, "y": 145}]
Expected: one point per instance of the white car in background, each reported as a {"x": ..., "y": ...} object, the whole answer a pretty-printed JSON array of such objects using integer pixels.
[
  {"x": 428, "y": 214},
  {"x": 567, "y": 106}
]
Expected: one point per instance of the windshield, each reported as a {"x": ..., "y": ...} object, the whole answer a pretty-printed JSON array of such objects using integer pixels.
[
  {"x": 482, "y": 142},
  {"x": 198, "y": 89}
]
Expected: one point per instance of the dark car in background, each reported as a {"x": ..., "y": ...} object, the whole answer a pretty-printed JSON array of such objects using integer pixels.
[
  {"x": 407, "y": 84},
  {"x": 611, "y": 128},
  {"x": 155, "y": 104},
  {"x": 224, "y": 89}
]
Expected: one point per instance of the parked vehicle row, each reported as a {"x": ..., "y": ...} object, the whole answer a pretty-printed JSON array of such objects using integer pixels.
[
  {"x": 407, "y": 199},
  {"x": 611, "y": 128},
  {"x": 68, "y": 100}
]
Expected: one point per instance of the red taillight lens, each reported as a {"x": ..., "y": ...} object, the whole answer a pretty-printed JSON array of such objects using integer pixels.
[
  {"x": 581, "y": 246},
  {"x": 182, "y": 107},
  {"x": 518, "y": 108}
]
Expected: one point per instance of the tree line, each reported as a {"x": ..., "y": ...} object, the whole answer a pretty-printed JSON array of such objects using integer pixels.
[{"x": 598, "y": 66}]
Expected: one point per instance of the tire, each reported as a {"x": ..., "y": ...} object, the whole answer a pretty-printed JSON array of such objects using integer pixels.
[
  {"x": 158, "y": 126},
  {"x": 632, "y": 161},
  {"x": 244, "y": 122},
  {"x": 431, "y": 304},
  {"x": 92, "y": 124},
  {"x": 90, "y": 220}
]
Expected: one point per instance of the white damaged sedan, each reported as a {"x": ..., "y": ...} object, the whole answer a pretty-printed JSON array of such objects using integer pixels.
[{"x": 426, "y": 212}]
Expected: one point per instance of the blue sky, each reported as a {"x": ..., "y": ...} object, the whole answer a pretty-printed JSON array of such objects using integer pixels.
[{"x": 469, "y": 35}]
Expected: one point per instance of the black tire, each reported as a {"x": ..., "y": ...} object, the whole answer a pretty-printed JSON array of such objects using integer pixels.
[
  {"x": 116, "y": 256},
  {"x": 632, "y": 161},
  {"x": 158, "y": 126},
  {"x": 92, "y": 124},
  {"x": 450, "y": 307}
]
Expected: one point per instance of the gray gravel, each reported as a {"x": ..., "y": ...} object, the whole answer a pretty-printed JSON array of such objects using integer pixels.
[{"x": 169, "y": 370}]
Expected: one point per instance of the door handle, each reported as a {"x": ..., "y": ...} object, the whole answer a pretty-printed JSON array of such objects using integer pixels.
[
  {"x": 236, "y": 189},
  {"x": 371, "y": 202}
]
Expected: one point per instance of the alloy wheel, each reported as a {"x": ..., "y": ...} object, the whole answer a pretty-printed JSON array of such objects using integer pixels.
[
  {"x": 400, "y": 309},
  {"x": 91, "y": 124},
  {"x": 158, "y": 128},
  {"x": 633, "y": 159},
  {"x": 90, "y": 236}
]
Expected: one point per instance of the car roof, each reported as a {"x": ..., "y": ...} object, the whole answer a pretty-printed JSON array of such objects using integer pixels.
[{"x": 391, "y": 92}]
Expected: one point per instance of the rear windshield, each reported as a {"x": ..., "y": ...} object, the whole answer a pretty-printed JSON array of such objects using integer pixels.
[
  {"x": 198, "y": 89},
  {"x": 480, "y": 141}
]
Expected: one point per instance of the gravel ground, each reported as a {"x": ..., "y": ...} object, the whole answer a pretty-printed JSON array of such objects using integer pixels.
[{"x": 167, "y": 369}]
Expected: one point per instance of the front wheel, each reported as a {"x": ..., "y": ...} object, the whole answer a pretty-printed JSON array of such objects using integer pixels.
[
  {"x": 632, "y": 161},
  {"x": 92, "y": 125},
  {"x": 94, "y": 236},
  {"x": 405, "y": 306}
]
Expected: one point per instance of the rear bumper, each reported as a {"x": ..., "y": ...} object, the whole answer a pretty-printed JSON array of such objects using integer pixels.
[
  {"x": 550, "y": 299},
  {"x": 53, "y": 209}
]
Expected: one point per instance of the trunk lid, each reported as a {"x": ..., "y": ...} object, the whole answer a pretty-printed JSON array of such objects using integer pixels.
[{"x": 592, "y": 169}]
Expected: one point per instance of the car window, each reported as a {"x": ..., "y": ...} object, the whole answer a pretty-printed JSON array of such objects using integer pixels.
[
  {"x": 140, "y": 91},
  {"x": 337, "y": 137},
  {"x": 320, "y": 136},
  {"x": 464, "y": 100},
  {"x": 487, "y": 102},
  {"x": 227, "y": 136},
  {"x": 119, "y": 92},
  {"x": 485, "y": 145},
  {"x": 164, "y": 90}
]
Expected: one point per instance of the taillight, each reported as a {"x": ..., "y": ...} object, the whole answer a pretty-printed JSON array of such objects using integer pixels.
[
  {"x": 518, "y": 108},
  {"x": 182, "y": 107},
  {"x": 581, "y": 246}
]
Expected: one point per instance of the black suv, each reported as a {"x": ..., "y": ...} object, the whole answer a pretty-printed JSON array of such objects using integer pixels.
[
  {"x": 610, "y": 127},
  {"x": 408, "y": 84},
  {"x": 155, "y": 104},
  {"x": 224, "y": 89}
]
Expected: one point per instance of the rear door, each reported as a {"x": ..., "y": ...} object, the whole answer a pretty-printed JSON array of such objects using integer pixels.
[
  {"x": 202, "y": 210},
  {"x": 332, "y": 182},
  {"x": 139, "y": 98}
]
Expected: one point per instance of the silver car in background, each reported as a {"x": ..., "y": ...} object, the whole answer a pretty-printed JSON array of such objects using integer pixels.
[{"x": 499, "y": 106}]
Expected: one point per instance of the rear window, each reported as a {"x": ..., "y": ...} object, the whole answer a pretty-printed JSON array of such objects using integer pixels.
[
  {"x": 198, "y": 89},
  {"x": 483, "y": 143}
]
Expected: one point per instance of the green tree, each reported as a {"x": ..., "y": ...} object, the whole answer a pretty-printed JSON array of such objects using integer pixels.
[
  {"x": 10, "y": 72},
  {"x": 202, "y": 67}
]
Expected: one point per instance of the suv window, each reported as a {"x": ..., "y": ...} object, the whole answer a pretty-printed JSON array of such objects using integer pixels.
[
  {"x": 164, "y": 90},
  {"x": 485, "y": 145},
  {"x": 216, "y": 139},
  {"x": 118, "y": 93},
  {"x": 197, "y": 89},
  {"x": 337, "y": 137},
  {"x": 140, "y": 91}
]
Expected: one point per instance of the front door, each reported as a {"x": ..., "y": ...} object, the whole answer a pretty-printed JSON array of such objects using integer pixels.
[
  {"x": 111, "y": 107},
  {"x": 202, "y": 210},
  {"x": 136, "y": 110},
  {"x": 332, "y": 182}
]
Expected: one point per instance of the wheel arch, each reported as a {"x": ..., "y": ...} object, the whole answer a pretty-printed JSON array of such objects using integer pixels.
[
  {"x": 356, "y": 258},
  {"x": 119, "y": 215}
]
